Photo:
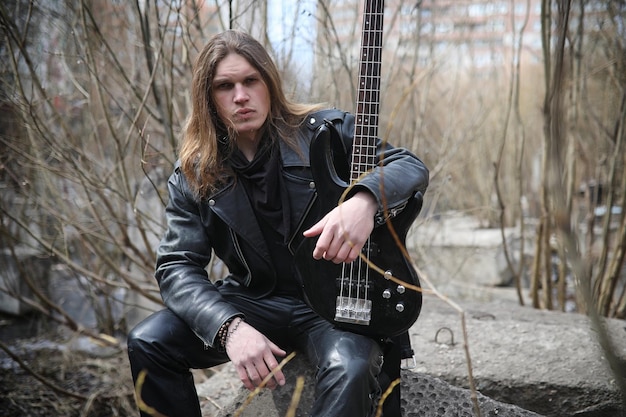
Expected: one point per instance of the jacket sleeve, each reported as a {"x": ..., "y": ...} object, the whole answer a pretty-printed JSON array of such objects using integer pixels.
[
  {"x": 182, "y": 257},
  {"x": 398, "y": 175}
]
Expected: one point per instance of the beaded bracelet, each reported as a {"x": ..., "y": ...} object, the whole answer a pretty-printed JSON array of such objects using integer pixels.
[
  {"x": 230, "y": 333},
  {"x": 222, "y": 333}
]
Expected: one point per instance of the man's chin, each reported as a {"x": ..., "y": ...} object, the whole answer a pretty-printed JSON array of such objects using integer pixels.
[{"x": 247, "y": 131}]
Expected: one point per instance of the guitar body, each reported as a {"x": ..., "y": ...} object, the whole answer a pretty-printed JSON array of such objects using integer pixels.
[{"x": 355, "y": 296}]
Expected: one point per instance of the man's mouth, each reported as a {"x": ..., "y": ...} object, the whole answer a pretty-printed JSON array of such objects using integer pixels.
[{"x": 244, "y": 112}]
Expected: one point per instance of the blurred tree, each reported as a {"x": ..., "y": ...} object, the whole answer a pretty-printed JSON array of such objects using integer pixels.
[{"x": 94, "y": 95}]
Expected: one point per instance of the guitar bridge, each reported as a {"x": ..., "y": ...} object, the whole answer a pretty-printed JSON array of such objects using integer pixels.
[{"x": 353, "y": 310}]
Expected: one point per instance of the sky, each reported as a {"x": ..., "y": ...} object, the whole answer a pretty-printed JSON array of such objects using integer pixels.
[{"x": 292, "y": 27}]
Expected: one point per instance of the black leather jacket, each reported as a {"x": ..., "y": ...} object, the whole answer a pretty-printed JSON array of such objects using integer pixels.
[{"x": 226, "y": 224}]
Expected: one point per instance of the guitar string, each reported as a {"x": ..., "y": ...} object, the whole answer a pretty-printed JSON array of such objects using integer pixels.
[{"x": 364, "y": 155}]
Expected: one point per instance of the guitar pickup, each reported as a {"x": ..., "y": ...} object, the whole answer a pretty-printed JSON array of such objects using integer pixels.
[
  {"x": 355, "y": 288},
  {"x": 371, "y": 250}
]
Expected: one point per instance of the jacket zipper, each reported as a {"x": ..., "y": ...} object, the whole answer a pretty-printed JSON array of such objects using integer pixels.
[
  {"x": 382, "y": 217},
  {"x": 233, "y": 236},
  {"x": 303, "y": 218}
]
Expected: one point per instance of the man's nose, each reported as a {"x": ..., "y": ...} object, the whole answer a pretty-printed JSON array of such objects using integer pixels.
[{"x": 241, "y": 93}]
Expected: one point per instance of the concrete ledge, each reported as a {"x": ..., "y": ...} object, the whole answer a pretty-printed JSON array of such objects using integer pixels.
[
  {"x": 546, "y": 361},
  {"x": 523, "y": 359},
  {"x": 423, "y": 395}
]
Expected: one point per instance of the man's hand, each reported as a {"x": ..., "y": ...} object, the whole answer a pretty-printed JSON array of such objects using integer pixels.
[
  {"x": 253, "y": 355},
  {"x": 345, "y": 229}
]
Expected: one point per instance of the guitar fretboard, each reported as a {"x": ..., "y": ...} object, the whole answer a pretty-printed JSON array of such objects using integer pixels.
[{"x": 368, "y": 90}]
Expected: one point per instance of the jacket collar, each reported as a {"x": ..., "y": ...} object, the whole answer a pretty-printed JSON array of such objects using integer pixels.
[
  {"x": 291, "y": 158},
  {"x": 232, "y": 205}
]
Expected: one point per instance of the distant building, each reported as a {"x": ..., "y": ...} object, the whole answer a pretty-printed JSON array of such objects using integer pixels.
[
  {"x": 481, "y": 33},
  {"x": 466, "y": 33},
  {"x": 477, "y": 33}
]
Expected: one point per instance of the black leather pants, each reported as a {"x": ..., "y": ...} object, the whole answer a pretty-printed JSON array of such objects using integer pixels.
[{"x": 348, "y": 365}]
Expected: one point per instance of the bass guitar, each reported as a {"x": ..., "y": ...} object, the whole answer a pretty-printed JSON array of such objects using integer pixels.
[{"x": 360, "y": 296}]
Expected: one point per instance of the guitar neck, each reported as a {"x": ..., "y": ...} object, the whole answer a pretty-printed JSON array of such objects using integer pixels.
[{"x": 368, "y": 90}]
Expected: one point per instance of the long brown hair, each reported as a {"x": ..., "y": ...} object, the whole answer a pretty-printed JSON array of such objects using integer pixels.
[{"x": 202, "y": 157}]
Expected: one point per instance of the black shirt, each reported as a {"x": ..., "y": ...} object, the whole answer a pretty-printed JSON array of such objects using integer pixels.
[{"x": 263, "y": 181}]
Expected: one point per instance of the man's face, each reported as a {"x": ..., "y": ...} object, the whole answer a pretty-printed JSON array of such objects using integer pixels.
[{"x": 242, "y": 98}]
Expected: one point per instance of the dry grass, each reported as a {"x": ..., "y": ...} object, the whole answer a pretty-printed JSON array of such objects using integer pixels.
[{"x": 48, "y": 379}]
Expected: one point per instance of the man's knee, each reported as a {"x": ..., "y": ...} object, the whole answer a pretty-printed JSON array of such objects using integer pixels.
[
  {"x": 141, "y": 336},
  {"x": 352, "y": 365}
]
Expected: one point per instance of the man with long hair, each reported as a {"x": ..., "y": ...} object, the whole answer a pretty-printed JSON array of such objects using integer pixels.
[{"x": 240, "y": 190}]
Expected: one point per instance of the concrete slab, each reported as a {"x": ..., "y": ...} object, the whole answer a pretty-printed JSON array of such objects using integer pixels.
[
  {"x": 545, "y": 361},
  {"x": 528, "y": 360},
  {"x": 422, "y": 396}
]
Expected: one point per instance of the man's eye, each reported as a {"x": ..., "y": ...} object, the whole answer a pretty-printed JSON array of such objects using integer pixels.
[
  {"x": 223, "y": 86},
  {"x": 251, "y": 80}
]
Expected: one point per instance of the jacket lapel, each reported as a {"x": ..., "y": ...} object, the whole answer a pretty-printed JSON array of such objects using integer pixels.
[{"x": 232, "y": 205}]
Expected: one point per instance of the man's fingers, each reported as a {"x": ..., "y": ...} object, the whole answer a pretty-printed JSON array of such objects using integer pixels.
[
  {"x": 243, "y": 376},
  {"x": 272, "y": 366},
  {"x": 317, "y": 228},
  {"x": 252, "y": 375},
  {"x": 255, "y": 378}
]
